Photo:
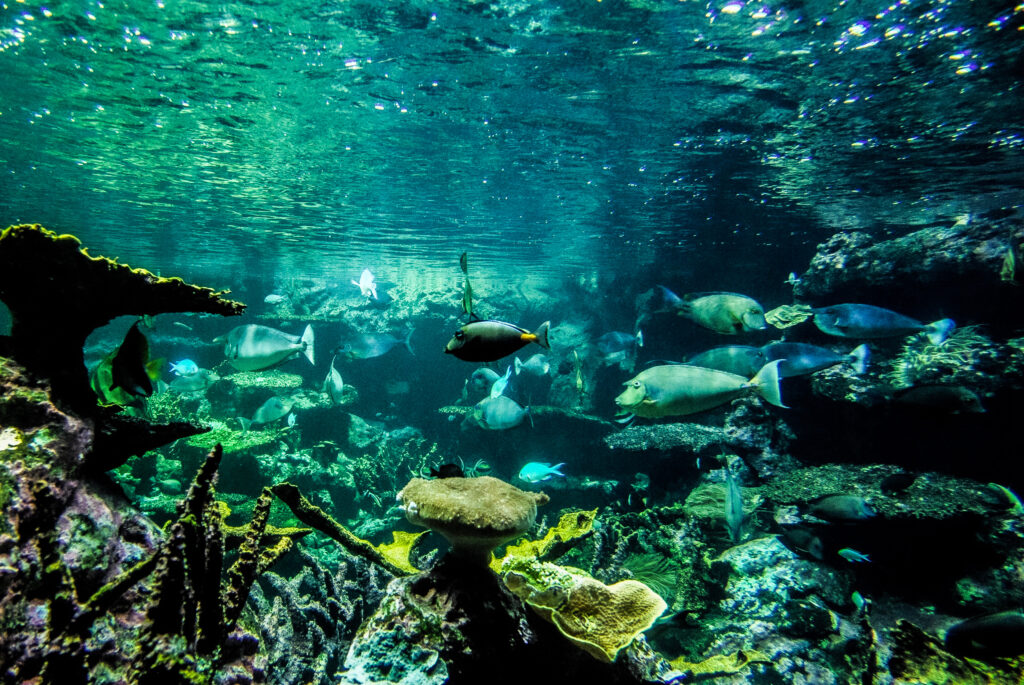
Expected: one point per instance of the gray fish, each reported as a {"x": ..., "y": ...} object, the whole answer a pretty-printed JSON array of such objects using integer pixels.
[
  {"x": 537, "y": 365},
  {"x": 498, "y": 413},
  {"x": 482, "y": 380},
  {"x": 614, "y": 342},
  {"x": 941, "y": 399},
  {"x": 371, "y": 345},
  {"x": 840, "y": 508},
  {"x": 271, "y": 410},
  {"x": 733, "y": 506},
  {"x": 333, "y": 384},
  {"x": 725, "y": 313},
  {"x": 1000, "y": 634},
  {"x": 799, "y": 359},
  {"x": 803, "y": 541},
  {"x": 742, "y": 360},
  {"x": 254, "y": 348},
  {"x": 195, "y": 382},
  {"x": 868, "y": 321}
]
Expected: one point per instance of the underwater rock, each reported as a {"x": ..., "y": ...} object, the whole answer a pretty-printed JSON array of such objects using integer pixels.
[
  {"x": 920, "y": 658},
  {"x": 58, "y": 294},
  {"x": 691, "y": 437}
]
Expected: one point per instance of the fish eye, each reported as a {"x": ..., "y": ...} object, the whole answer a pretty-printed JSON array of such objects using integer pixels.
[
  {"x": 459, "y": 335},
  {"x": 636, "y": 384}
]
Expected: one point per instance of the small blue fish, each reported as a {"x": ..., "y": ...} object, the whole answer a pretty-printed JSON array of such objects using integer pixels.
[
  {"x": 291, "y": 420},
  {"x": 537, "y": 471},
  {"x": 853, "y": 555},
  {"x": 186, "y": 367}
]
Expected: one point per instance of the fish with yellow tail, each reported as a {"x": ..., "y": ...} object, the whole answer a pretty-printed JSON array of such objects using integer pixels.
[
  {"x": 677, "y": 390},
  {"x": 489, "y": 340}
]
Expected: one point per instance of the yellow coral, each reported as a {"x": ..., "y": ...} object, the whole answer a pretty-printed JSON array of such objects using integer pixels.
[
  {"x": 397, "y": 551},
  {"x": 571, "y": 526}
]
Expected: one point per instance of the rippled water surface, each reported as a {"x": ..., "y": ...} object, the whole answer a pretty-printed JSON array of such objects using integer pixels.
[{"x": 211, "y": 139}]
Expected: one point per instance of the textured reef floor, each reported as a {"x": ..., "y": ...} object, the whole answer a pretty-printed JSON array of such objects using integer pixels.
[{"x": 842, "y": 540}]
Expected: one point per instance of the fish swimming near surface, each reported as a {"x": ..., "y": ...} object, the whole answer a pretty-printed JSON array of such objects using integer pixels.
[
  {"x": 254, "y": 348},
  {"x": 270, "y": 411},
  {"x": 733, "y": 505},
  {"x": 128, "y": 368},
  {"x": 868, "y": 321},
  {"x": 333, "y": 385},
  {"x": 840, "y": 508},
  {"x": 725, "y": 313},
  {"x": 992, "y": 635},
  {"x": 498, "y": 387},
  {"x": 482, "y": 380},
  {"x": 366, "y": 284},
  {"x": 852, "y": 555},
  {"x": 679, "y": 389},
  {"x": 372, "y": 345},
  {"x": 799, "y": 359},
  {"x": 536, "y": 365},
  {"x": 186, "y": 367},
  {"x": 489, "y": 340},
  {"x": 196, "y": 382},
  {"x": 743, "y": 360},
  {"x": 498, "y": 413},
  {"x": 537, "y": 471},
  {"x": 940, "y": 399}
]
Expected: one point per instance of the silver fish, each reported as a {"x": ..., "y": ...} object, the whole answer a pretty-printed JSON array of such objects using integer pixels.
[
  {"x": 498, "y": 387},
  {"x": 498, "y": 413},
  {"x": 536, "y": 365},
  {"x": 254, "y": 348},
  {"x": 733, "y": 505},
  {"x": 271, "y": 410},
  {"x": 333, "y": 384}
]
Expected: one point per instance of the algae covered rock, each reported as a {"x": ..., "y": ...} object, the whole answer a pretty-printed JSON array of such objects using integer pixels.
[{"x": 475, "y": 515}]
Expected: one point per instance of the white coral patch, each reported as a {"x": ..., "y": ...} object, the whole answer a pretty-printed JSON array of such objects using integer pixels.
[{"x": 9, "y": 438}]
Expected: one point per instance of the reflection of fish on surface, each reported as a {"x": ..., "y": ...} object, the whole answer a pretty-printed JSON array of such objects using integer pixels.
[
  {"x": 270, "y": 411},
  {"x": 333, "y": 386},
  {"x": 678, "y": 389},
  {"x": 255, "y": 348},
  {"x": 372, "y": 345},
  {"x": 489, "y": 340},
  {"x": 538, "y": 471},
  {"x": 868, "y": 321},
  {"x": 497, "y": 413}
]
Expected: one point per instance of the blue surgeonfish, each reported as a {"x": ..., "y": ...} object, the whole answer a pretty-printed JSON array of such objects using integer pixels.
[
  {"x": 678, "y": 389},
  {"x": 367, "y": 286},
  {"x": 497, "y": 413},
  {"x": 868, "y": 321},
  {"x": 537, "y": 471},
  {"x": 254, "y": 348},
  {"x": 371, "y": 345},
  {"x": 799, "y": 359},
  {"x": 488, "y": 341},
  {"x": 186, "y": 367}
]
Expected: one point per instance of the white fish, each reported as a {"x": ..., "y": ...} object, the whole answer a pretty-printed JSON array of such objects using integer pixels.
[
  {"x": 498, "y": 387},
  {"x": 254, "y": 348},
  {"x": 366, "y": 284},
  {"x": 274, "y": 298},
  {"x": 333, "y": 384},
  {"x": 537, "y": 365},
  {"x": 498, "y": 413},
  {"x": 269, "y": 411}
]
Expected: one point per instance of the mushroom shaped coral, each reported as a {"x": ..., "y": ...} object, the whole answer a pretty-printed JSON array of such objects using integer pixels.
[{"x": 475, "y": 515}]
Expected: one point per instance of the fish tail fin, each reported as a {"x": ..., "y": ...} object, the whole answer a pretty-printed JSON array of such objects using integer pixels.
[
  {"x": 554, "y": 469},
  {"x": 859, "y": 357},
  {"x": 246, "y": 424},
  {"x": 307, "y": 343},
  {"x": 639, "y": 338},
  {"x": 373, "y": 291},
  {"x": 938, "y": 331},
  {"x": 408, "y": 341},
  {"x": 519, "y": 365},
  {"x": 542, "y": 335},
  {"x": 767, "y": 383}
]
